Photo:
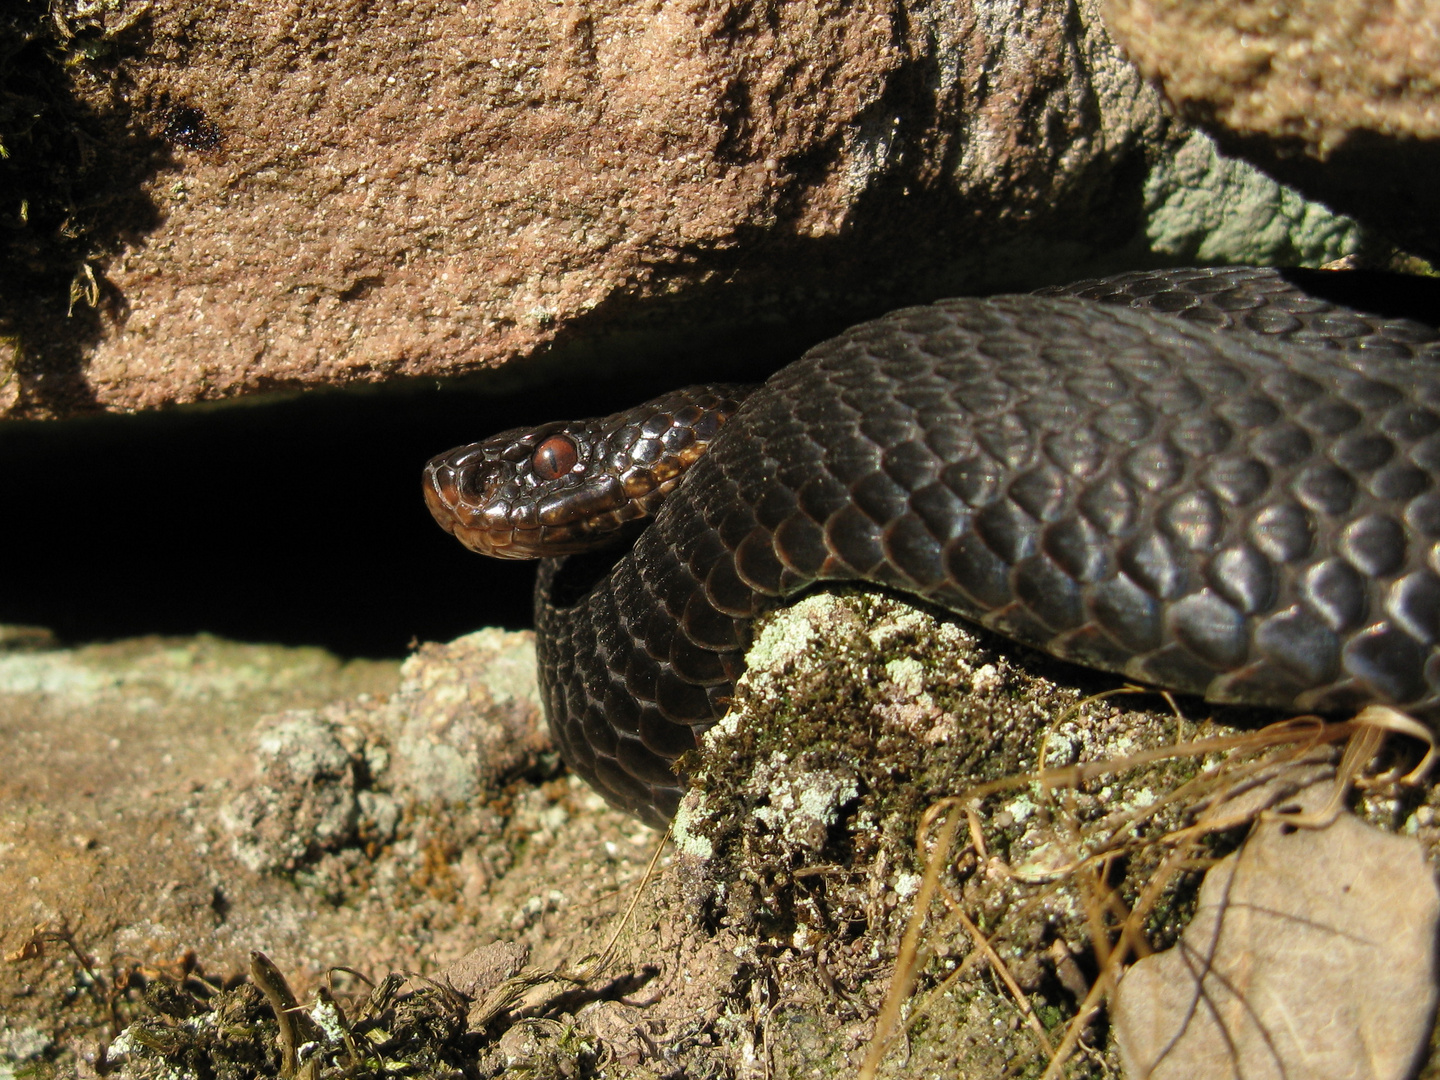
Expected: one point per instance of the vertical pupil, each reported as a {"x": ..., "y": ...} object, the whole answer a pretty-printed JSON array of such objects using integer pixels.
[{"x": 555, "y": 457}]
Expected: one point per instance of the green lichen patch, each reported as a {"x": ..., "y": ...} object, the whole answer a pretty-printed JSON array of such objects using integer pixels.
[{"x": 1204, "y": 207}]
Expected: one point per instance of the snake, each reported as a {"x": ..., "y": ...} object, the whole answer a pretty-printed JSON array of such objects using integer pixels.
[{"x": 1214, "y": 481}]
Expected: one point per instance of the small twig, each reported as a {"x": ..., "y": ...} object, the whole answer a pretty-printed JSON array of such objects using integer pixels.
[
  {"x": 998, "y": 966},
  {"x": 593, "y": 968},
  {"x": 282, "y": 1002},
  {"x": 1117, "y": 932}
]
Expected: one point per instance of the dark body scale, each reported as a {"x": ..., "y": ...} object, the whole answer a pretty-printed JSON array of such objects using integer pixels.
[{"x": 1251, "y": 515}]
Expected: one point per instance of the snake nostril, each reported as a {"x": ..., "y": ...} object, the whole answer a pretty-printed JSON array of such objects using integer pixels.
[{"x": 468, "y": 484}]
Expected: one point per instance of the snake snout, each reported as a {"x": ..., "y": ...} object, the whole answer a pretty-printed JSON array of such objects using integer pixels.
[{"x": 460, "y": 493}]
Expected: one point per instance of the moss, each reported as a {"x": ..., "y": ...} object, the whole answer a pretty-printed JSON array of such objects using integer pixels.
[
  {"x": 870, "y": 710},
  {"x": 71, "y": 168}
]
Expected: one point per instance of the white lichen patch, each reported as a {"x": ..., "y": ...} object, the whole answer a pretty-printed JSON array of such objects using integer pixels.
[
  {"x": 987, "y": 680},
  {"x": 785, "y": 640},
  {"x": 1018, "y": 810},
  {"x": 304, "y": 800},
  {"x": 803, "y": 804},
  {"x": 687, "y": 829},
  {"x": 907, "y": 675}
]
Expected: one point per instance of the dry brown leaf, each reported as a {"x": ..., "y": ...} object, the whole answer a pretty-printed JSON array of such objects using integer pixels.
[{"x": 1312, "y": 954}]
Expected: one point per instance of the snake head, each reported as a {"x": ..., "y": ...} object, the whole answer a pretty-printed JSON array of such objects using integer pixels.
[{"x": 571, "y": 486}]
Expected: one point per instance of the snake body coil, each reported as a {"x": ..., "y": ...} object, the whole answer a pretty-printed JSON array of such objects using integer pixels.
[{"x": 1253, "y": 516}]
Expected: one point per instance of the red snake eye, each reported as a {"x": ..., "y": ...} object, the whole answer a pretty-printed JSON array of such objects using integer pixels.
[{"x": 555, "y": 457}]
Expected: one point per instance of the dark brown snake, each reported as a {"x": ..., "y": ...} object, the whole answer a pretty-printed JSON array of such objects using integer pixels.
[{"x": 1207, "y": 480}]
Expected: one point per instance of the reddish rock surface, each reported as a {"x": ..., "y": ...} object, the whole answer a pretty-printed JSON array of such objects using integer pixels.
[{"x": 355, "y": 191}]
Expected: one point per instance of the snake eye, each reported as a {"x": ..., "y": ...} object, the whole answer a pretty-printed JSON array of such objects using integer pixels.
[{"x": 555, "y": 457}]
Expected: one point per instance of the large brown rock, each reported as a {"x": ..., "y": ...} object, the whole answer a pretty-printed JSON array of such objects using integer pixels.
[
  {"x": 1336, "y": 97},
  {"x": 358, "y": 191}
]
